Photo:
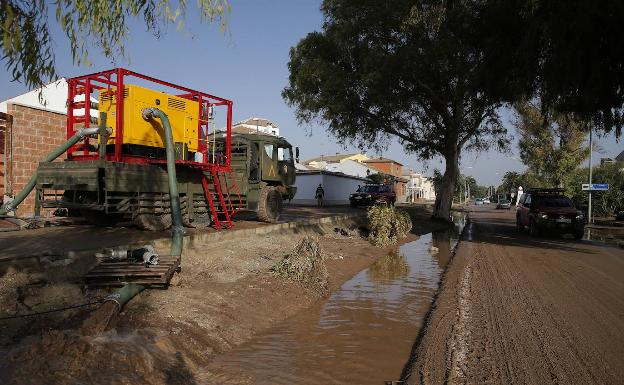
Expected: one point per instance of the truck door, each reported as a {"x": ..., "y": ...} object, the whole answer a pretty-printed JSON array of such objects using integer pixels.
[
  {"x": 269, "y": 162},
  {"x": 286, "y": 165}
]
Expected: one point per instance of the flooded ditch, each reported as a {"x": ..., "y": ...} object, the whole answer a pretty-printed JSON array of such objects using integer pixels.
[{"x": 362, "y": 334}]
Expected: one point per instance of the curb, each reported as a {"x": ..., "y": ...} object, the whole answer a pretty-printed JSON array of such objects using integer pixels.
[{"x": 190, "y": 241}]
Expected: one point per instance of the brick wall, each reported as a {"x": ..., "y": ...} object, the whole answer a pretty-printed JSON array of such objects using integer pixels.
[{"x": 35, "y": 134}]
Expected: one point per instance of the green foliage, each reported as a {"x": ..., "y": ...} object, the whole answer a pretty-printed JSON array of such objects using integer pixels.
[
  {"x": 28, "y": 48},
  {"x": 387, "y": 225},
  {"x": 604, "y": 203},
  {"x": 551, "y": 144},
  {"x": 305, "y": 264},
  {"x": 397, "y": 70},
  {"x": 377, "y": 178},
  {"x": 512, "y": 180},
  {"x": 568, "y": 53}
]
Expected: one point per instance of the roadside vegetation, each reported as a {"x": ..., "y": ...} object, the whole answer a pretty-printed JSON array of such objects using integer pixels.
[
  {"x": 305, "y": 264},
  {"x": 387, "y": 225}
]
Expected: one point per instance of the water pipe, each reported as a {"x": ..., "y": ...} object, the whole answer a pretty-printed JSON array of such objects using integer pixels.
[
  {"x": 149, "y": 114},
  {"x": 19, "y": 198}
]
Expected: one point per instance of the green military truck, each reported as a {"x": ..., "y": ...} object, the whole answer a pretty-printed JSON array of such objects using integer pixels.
[
  {"x": 264, "y": 168},
  {"x": 106, "y": 192}
]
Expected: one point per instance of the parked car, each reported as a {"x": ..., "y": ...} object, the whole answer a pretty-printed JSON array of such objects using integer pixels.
[
  {"x": 549, "y": 210},
  {"x": 370, "y": 194},
  {"x": 478, "y": 201},
  {"x": 503, "y": 204},
  {"x": 486, "y": 200}
]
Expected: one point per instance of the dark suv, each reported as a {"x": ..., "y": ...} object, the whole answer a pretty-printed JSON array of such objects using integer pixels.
[
  {"x": 549, "y": 211},
  {"x": 373, "y": 194}
]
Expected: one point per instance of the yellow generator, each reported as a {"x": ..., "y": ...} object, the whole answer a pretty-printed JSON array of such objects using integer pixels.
[{"x": 145, "y": 138}]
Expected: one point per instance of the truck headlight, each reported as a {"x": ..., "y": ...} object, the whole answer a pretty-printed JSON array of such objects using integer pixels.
[{"x": 580, "y": 216}]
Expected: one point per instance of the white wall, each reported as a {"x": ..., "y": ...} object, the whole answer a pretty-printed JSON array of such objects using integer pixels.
[
  {"x": 337, "y": 189},
  {"x": 351, "y": 167}
]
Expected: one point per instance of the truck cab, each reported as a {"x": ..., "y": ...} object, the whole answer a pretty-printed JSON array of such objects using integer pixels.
[{"x": 264, "y": 168}]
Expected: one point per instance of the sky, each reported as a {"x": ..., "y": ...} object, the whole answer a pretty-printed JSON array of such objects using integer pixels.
[{"x": 248, "y": 64}]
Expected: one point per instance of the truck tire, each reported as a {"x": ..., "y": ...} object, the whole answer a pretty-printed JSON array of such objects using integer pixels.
[
  {"x": 269, "y": 204},
  {"x": 153, "y": 222}
]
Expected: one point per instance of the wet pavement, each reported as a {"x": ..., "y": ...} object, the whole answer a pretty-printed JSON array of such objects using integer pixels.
[{"x": 362, "y": 334}]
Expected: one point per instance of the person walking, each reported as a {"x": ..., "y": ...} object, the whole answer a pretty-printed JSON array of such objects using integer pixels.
[{"x": 320, "y": 194}]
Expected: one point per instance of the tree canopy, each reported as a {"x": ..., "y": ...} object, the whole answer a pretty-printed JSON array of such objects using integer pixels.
[
  {"x": 551, "y": 144},
  {"x": 28, "y": 47},
  {"x": 400, "y": 70},
  {"x": 568, "y": 53}
]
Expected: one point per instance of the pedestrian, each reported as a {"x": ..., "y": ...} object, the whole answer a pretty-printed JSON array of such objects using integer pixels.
[{"x": 319, "y": 195}]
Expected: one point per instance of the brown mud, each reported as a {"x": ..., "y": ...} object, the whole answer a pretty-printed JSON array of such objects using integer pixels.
[
  {"x": 225, "y": 295},
  {"x": 515, "y": 309}
]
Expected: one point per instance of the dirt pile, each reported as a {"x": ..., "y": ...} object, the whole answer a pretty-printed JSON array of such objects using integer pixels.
[
  {"x": 387, "y": 225},
  {"x": 305, "y": 264}
]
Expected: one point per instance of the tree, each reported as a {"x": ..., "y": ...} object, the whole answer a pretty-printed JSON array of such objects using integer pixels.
[
  {"x": 400, "y": 70},
  {"x": 568, "y": 53},
  {"x": 28, "y": 48},
  {"x": 377, "y": 178},
  {"x": 551, "y": 144},
  {"x": 512, "y": 180}
]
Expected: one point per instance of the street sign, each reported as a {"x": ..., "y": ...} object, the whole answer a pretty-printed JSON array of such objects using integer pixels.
[{"x": 595, "y": 186}]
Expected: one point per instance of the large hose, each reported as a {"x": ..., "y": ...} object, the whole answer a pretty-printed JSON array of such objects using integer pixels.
[
  {"x": 19, "y": 198},
  {"x": 176, "y": 213}
]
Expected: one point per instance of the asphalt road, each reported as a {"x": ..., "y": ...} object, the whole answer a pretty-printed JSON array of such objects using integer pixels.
[{"x": 520, "y": 310}]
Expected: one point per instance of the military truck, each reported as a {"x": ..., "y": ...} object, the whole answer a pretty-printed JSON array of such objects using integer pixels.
[
  {"x": 264, "y": 168},
  {"x": 106, "y": 192}
]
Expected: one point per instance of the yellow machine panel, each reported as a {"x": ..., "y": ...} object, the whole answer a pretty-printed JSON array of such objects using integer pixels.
[{"x": 182, "y": 113}]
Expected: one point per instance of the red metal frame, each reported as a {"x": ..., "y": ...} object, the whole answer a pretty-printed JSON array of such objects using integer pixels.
[{"x": 105, "y": 80}]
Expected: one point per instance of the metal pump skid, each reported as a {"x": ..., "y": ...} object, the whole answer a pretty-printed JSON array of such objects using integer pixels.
[{"x": 121, "y": 173}]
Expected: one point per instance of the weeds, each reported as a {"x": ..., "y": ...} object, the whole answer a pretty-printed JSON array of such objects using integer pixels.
[
  {"x": 387, "y": 225},
  {"x": 305, "y": 264}
]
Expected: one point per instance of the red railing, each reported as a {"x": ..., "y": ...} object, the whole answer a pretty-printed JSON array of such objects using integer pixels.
[{"x": 91, "y": 84}]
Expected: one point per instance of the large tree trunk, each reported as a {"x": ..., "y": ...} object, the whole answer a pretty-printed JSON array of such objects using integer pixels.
[{"x": 444, "y": 197}]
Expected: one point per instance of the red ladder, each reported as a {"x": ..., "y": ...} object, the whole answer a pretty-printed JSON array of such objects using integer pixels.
[{"x": 225, "y": 203}]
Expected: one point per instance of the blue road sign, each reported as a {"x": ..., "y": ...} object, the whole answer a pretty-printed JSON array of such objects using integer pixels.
[{"x": 595, "y": 186}]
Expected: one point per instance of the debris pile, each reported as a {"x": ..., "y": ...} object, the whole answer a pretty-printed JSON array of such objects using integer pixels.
[
  {"x": 387, "y": 225},
  {"x": 305, "y": 264}
]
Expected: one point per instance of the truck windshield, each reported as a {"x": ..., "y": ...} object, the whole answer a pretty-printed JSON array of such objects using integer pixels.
[
  {"x": 553, "y": 202},
  {"x": 370, "y": 188},
  {"x": 285, "y": 154}
]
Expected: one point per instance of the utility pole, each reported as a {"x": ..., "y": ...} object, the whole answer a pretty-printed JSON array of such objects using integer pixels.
[{"x": 591, "y": 150}]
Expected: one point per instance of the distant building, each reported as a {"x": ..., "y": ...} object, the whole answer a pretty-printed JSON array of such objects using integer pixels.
[
  {"x": 418, "y": 187},
  {"x": 337, "y": 186},
  {"x": 350, "y": 167},
  {"x": 31, "y": 126},
  {"x": 395, "y": 170},
  {"x": 321, "y": 161},
  {"x": 256, "y": 125}
]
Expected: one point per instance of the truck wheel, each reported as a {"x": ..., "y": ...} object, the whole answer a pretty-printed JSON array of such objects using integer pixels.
[
  {"x": 153, "y": 222},
  {"x": 269, "y": 204},
  {"x": 578, "y": 234},
  {"x": 100, "y": 218}
]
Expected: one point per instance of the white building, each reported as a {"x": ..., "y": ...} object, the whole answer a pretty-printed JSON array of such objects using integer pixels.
[
  {"x": 418, "y": 188},
  {"x": 337, "y": 187},
  {"x": 256, "y": 125},
  {"x": 350, "y": 167},
  {"x": 51, "y": 97}
]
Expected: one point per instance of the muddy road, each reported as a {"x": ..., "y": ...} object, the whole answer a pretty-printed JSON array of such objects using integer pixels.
[{"x": 520, "y": 310}]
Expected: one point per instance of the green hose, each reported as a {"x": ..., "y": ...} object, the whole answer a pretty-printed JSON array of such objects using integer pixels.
[
  {"x": 176, "y": 213},
  {"x": 19, "y": 198}
]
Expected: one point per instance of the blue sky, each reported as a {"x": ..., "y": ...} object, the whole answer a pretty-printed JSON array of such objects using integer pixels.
[{"x": 248, "y": 64}]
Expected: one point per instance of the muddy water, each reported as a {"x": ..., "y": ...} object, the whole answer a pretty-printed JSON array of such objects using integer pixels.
[
  {"x": 605, "y": 236},
  {"x": 362, "y": 334}
]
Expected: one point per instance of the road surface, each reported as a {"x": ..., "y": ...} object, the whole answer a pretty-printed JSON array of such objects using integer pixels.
[{"x": 520, "y": 310}]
